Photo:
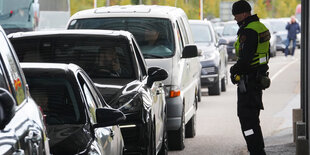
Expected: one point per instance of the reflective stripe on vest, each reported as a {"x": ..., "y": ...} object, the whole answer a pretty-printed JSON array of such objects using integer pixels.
[{"x": 262, "y": 52}]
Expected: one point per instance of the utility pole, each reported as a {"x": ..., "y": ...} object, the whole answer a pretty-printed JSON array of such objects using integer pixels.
[
  {"x": 201, "y": 9},
  {"x": 140, "y": 2},
  {"x": 95, "y": 3},
  {"x": 108, "y": 3}
]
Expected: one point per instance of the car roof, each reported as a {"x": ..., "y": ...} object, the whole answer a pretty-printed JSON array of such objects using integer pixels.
[
  {"x": 155, "y": 11},
  {"x": 49, "y": 69},
  {"x": 192, "y": 21},
  {"x": 107, "y": 33}
]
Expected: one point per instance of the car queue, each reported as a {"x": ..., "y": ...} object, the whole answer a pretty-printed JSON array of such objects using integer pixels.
[{"x": 102, "y": 91}]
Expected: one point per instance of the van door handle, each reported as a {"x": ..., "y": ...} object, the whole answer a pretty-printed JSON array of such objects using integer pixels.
[{"x": 33, "y": 140}]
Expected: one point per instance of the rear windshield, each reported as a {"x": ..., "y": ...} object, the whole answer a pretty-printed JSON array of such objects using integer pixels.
[
  {"x": 154, "y": 35},
  {"x": 99, "y": 57},
  {"x": 57, "y": 99},
  {"x": 201, "y": 33}
]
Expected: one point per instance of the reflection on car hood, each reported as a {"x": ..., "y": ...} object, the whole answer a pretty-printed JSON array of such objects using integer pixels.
[
  {"x": 114, "y": 90},
  {"x": 231, "y": 39},
  {"x": 68, "y": 138},
  {"x": 206, "y": 47}
]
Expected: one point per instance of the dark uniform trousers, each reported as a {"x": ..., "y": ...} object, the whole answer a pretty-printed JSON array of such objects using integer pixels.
[{"x": 249, "y": 106}]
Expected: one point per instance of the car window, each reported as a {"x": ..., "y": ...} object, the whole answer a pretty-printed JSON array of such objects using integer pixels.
[
  {"x": 140, "y": 59},
  {"x": 154, "y": 35},
  {"x": 14, "y": 75},
  {"x": 100, "y": 57},
  {"x": 201, "y": 33},
  {"x": 57, "y": 99},
  {"x": 90, "y": 100}
]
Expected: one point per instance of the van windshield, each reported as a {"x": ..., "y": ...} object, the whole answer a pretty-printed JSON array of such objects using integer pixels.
[{"x": 154, "y": 35}]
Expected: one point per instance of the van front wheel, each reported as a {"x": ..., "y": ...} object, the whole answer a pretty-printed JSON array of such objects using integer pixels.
[{"x": 176, "y": 138}]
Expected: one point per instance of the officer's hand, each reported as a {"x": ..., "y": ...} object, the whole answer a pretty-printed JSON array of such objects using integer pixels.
[{"x": 233, "y": 79}]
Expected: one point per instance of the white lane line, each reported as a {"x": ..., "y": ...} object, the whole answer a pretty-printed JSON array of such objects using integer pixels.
[{"x": 282, "y": 69}]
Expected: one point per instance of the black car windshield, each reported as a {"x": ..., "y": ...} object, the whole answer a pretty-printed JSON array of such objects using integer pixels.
[
  {"x": 230, "y": 29},
  {"x": 57, "y": 99},
  {"x": 100, "y": 57},
  {"x": 154, "y": 35},
  {"x": 201, "y": 33}
]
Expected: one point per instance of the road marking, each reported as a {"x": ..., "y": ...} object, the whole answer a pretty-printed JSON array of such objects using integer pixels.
[{"x": 282, "y": 69}]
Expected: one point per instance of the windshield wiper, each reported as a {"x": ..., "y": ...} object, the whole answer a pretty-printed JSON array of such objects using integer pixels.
[{"x": 152, "y": 56}]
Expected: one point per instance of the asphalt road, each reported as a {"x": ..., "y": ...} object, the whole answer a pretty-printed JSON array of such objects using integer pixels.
[{"x": 218, "y": 128}]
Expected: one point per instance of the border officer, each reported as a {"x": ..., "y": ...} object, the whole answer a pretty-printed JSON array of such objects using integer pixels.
[{"x": 250, "y": 73}]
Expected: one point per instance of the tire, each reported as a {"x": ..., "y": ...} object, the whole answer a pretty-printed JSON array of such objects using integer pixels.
[
  {"x": 176, "y": 138},
  {"x": 216, "y": 88},
  {"x": 164, "y": 147},
  {"x": 151, "y": 148},
  {"x": 190, "y": 128},
  {"x": 223, "y": 84},
  {"x": 199, "y": 92}
]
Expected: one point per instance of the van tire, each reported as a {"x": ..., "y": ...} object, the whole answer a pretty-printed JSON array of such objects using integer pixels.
[
  {"x": 216, "y": 88},
  {"x": 176, "y": 138},
  {"x": 190, "y": 128},
  {"x": 223, "y": 84}
]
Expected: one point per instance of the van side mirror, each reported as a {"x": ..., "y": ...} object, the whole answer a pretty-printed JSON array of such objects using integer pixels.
[
  {"x": 108, "y": 117},
  {"x": 222, "y": 42},
  {"x": 199, "y": 52},
  {"x": 190, "y": 51},
  {"x": 156, "y": 74},
  {"x": 7, "y": 107}
]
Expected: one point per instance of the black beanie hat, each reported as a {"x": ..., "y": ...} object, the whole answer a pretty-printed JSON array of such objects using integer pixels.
[{"x": 240, "y": 7}]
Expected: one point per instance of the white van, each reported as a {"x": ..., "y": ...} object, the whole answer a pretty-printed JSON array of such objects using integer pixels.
[{"x": 165, "y": 39}]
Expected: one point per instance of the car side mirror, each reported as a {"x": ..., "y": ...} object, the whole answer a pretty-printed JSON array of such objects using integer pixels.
[
  {"x": 108, "y": 117},
  {"x": 222, "y": 42},
  {"x": 156, "y": 74},
  {"x": 190, "y": 51},
  {"x": 7, "y": 107}
]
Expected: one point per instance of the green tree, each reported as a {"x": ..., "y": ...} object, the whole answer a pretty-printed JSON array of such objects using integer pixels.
[{"x": 260, "y": 8}]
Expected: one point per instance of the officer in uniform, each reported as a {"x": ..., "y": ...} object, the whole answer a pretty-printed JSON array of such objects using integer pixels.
[{"x": 250, "y": 73}]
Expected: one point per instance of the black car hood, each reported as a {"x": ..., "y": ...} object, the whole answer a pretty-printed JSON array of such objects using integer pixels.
[{"x": 68, "y": 138}]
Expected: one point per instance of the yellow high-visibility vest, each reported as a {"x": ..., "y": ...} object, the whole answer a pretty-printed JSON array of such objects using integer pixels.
[{"x": 262, "y": 52}]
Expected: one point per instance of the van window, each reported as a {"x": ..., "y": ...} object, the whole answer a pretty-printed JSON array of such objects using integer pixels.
[
  {"x": 14, "y": 75},
  {"x": 184, "y": 32},
  {"x": 180, "y": 38},
  {"x": 154, "y": 35},
  {"x": 100, "y": 57}
]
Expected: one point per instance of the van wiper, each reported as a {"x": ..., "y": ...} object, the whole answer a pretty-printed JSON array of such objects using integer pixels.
[{"x": 152, "y": 56}]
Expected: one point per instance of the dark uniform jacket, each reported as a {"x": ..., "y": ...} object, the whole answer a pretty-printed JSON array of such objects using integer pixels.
[{"x": 248, "y": 44}]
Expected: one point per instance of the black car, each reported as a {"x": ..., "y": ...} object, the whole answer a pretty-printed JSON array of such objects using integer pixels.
[
  {"x": 114, "y": 62},
  {"x": 213, "y": 57},
  {"x": 22, "y": 130},
  {"x": 77, "y": 118}
]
